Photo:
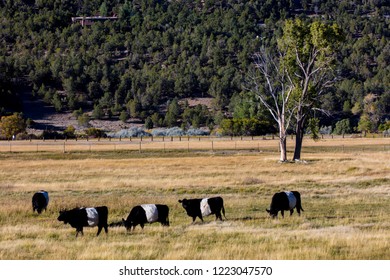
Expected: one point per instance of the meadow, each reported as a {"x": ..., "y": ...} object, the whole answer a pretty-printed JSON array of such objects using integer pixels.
[{"x": 344, "y": 184}]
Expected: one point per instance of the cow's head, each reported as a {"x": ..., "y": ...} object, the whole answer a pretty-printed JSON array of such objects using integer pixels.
[
  {"x": 272, "y": 212},
  {"x": 127, "y": 224},
  {"x": 63, "y": 217},
  {"x": 184, "y": 203}
]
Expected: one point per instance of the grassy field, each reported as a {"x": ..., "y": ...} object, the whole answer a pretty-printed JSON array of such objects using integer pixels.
[{"x": 344, "y": 184}]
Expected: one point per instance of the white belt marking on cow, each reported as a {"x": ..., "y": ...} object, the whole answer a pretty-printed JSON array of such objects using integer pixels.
[
  {"x": 46, "y": 195},
  {"x": 292, "y": 200},
  {"x": 151, "y": 212},
  {"x": 205, "y": 207},
  {"x": 93, "y": 216}
]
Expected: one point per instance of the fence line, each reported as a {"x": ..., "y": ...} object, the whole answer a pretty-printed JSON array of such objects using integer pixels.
[{"x": 213, "y": 144}]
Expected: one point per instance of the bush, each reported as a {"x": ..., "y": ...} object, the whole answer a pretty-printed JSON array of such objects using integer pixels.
[
  {"x": 384, "y": 126},
  {"x": 197, "y": 132},
  {"x": 83, "y": 120},
  {"x": 245, "y": 127},
  {"x": 69, "y": 132},
  {"x": 342, "y": 127},
  {"x": 95, "y": 132},
  {"x": 131, "y": 132},
  {"x": 123, "y": 116},
  {"x": 12, "y": 125},
  {"x": 50, "y": 134},
  {"x": 173, "y": 131},
  {"x": 148, "y": 123},
  {"x": 326, "y": 130}
]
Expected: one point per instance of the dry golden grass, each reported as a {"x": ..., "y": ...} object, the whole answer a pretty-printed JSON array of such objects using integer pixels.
[{"x": 345, "y": 194}]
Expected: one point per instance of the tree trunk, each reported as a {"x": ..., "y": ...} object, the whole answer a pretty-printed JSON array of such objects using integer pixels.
[
  {"x": 283, "y": 149},
  {"x": 298, "y": 139},
  {"x": 282, "y": 140}
]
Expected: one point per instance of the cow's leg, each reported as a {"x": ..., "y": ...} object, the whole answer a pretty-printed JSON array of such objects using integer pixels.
[
  {"x": 99, "y": 230},
  {"x": 142, "y": 226},
  {"x": 78, "y": 230},
  {"x": 282, "y": 213},
  {"x": 291, "y": 211},
  {"x": 106, "y": 228}
]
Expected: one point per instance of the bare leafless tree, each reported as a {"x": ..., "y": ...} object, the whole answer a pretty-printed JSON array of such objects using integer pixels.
[{"x": 271, "y": 84}]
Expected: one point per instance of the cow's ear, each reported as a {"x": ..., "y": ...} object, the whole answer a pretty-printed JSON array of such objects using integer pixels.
[
  {"x": 180, "y": 201},
  {"x": 267, "y": 210}
]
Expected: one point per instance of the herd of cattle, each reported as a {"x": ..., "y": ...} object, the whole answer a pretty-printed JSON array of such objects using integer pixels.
[{"x": 81, "y": 217}]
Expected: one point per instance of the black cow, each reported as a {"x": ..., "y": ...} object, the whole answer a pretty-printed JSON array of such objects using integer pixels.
[
  {"x": 199, "y": 207},
  {"x": 86, "y": 217},
  {"x": 147, "y": 213},
  {"x": 282, "y": 201},
  {"x": 40, "y": 200}
]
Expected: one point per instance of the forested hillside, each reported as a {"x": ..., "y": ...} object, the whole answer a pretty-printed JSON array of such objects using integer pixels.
[{"x": 149, "y": 56}]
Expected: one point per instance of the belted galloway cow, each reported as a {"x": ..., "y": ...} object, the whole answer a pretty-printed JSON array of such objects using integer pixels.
[
  {"x": 284, "y": 201},
  {"x": 201, "y": 207},
  {"x": 40, "y": 200},
  {"x": 85, "y": 217},
  {"x": 147, "y": 213}
]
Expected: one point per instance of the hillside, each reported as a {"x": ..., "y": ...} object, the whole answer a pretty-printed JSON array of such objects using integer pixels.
[{"x": 140, "y": 60}]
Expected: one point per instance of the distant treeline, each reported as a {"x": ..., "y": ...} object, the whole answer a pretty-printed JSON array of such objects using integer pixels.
[{"x": 157, "y": 54}]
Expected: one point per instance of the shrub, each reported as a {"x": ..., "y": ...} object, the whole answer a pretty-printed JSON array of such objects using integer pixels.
[
  {"x": 95, "y": 132},
  {"x": 123, "y": 116},
  {"x": 83, "y": 120},
  {"x": 131, "y": 132},
  {"x": 342, "y": 127},
  {"x": 245, "y": 127},
  {"x": 69, "y": 132},
  {"x": 148, "y": 123},
  {"x": 12, "y": 125},
  {"x": 50, "y": 134}
]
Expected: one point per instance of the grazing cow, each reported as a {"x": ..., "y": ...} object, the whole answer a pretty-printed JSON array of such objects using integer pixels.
[
  {"x": 40, "y": 200},
  {"x": 147, "y": 213},
  {"x": 204, "y": 207},
  {"x": 85, "y": 217},
  {"x": 285, "y": 201}
]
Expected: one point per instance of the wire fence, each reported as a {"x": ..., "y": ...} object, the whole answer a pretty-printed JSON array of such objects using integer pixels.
[{"x": 193, "y": 144}]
